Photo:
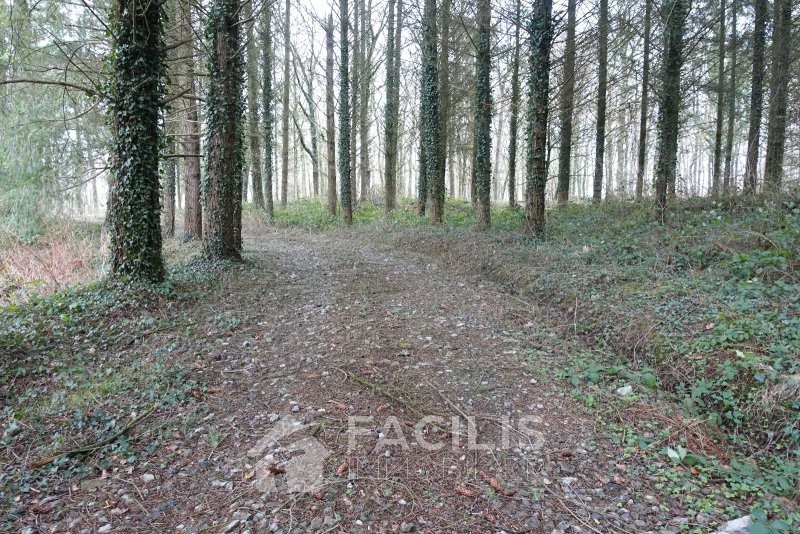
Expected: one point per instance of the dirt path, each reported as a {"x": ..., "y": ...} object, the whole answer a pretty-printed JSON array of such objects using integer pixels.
[{"x": 318, "y": 329}]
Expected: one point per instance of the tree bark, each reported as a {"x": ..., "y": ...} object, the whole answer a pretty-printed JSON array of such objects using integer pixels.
[
  {"x": 430, "y": 114},
  {"x": 268, "y": 103},
  {"x": 222, "y": 185},
  {"x": 716, "y": 177},
  {"x": 514, "y": 122},
  {"x": 392, "y": 102},
  {"x": 727, "y": 180},
  {"x": 642, "y": 155},
  {"x": 602, "y": 90},
  {"x": 193, "y": 211},
  {"x": 445, "y": 116},
  {"x": 344, "y": 117},
  {"x": 483, "y": 114},
  {"x": 363, "y": 113},
  {"x": 778, "y": 94},
  {"x": 330, "y": 114},
  {"x": 756, "y": 96},
  {"x": 541, "y": 35},
  {"x": 254, "y": 129},
  {"x": 285, "y": 106},
  {"x": 567, "y": 105},
  {"x": 670, "y": 101}
]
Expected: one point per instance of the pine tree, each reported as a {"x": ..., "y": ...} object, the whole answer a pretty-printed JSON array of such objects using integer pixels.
[
  {"x": 392, "y": 102},
  {"x": 602, "y": 93},
  {"x": 514, "y": 122},
  {"x": 344, "y": 117},
  {"x": 285, "y": 105},
  {"x": 567, "y": 105},
  {"x": 778, "y": 94},
  {"x": 330, "y": 114},
  {"x": 254, "y": 128},
  {"x": 642, "y": 149},
  {"x": 756, "y": 96},
  {"x": 268, "y": 105},
  {"x": 483, "y": 114},
  {"x": 429, "y": 166}
]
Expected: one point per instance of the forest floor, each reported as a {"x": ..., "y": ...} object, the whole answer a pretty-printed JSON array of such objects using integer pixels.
[{"x": 301, "y": 390}]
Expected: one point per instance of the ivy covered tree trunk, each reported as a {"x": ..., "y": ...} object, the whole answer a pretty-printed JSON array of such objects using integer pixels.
[
  {"x": 716, "y": 177},
  {"x": 285, "y": 106},
  {"x": 365, "y": 77},
  {"x": 137, "y": 88},
  {"x": 727, "y": 177},
  {"x": 514, "y": 122},
  {"x": 254, "y": 128},
  {"x": 330, "y": 116},
  {"x": 392, "y": 102},
  {"x": 268, "y": 111},
  {"x": 483, "y": 113},
  {"x": 670, "y": 101},
  {"x": 344, "y": 117},
  {"x": 602, "y": 90},
  {"x": 445, "y": 107},
  {"x": 643, "y": 111},
  {"x": 170, "y": 178},
  {"x": 430, "y": 115},
  {"x": 778, "y": 94},
  {"x": 756, "y": 96},
  {"x": 541, "y": 37},
  {"x": 567, "y": 105},
  {"x": 222, "y": 184}
]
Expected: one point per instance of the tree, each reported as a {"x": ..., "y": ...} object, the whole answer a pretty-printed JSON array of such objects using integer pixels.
[
  {"x": 285, "y": 105},
  {"x": 330, "y": 113},
  {"x": 642, "y": 150},
  {"x": 136, "y": 90},
  {"x": 193, "y": 212},
  {"x": 567, "y": 105},
  {"x": 727, "y": 180},
  {"x": 670, "y": 101},
  {"x": 168, "y": 188},
  {"x": 540, "y": 28},
  {"x": 268, "y": 103},
  {"x": 365, "y": 79},
  {"x": 756, "y": 96},
  {"x": 717, "y": 165},
  {"x": 429, "y": 107},
  {"x": 344, "y": 117},
  {"x": 222, "y": 184},
  {"x": 602, "y": 90},
  {"x": 483, "y": 113},
  {"x": 254, "y": 133},
  {"x": 514, "y": 122},
  {"x": 392, "y": 101},
  {"x": 778, "y": 94},
  {"x": 444, "y": 91}
]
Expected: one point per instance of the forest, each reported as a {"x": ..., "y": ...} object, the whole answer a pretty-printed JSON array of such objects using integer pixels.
[{"x": 400, "y": 266}]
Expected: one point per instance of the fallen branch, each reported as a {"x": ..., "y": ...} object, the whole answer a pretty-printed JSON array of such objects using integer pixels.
[{"x": 94, "y": 446}]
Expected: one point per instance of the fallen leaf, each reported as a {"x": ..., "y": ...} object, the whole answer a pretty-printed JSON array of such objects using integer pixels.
[
  {"x": 318, "y": 495},
  {"x": 494, "y": 483},
  {"x": 464, "y": 491},
  {"x": 342, "y": 469},
  {"x": 489, "y": 516},
  {"x": 213, "y": 390},
  {"x": 339, "y": 405},
  {"x": 382, "y": 408},
  {"x": 249, "y": 474},
  {"x": 276, "y": 469}
]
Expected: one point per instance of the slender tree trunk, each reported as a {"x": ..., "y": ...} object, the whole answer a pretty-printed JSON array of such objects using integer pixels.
[
  {"x": 392, "y": 102},
  {"x": 514, "y": 126},
  {"x": 444, "y": 91},
  {"x": 778, "y": 94},
  {"x": 268, "y": 102},
  {"x": 344, "y": 117},
  {"x": 642, "y": 156},
  {"x": 716, "y": 177},
  {"x": 567, "y": 105},
  {"x": 170, "y": 177},
  {"x": 330, "y": 114},
  {"x": 670, "y": 101},
  {"x": 541, "y": 34},
  {"x": 285, "y": 105},
  {"x": 222, "y": 185},
  {"x": 254, "y": 129},
  {"x": 756, "y": 96},
  {"x": 483, "y": 113},
  {"x": 192, "y": 214},
  {"x": 602, "y": 90},
  {"x": 727, "y": 180},
  {"x": 363, "y": 113},
  {"x": 136, "y": 85},
  {"x": 430, "y": 115},
  {"x": 314, "y": 133}
]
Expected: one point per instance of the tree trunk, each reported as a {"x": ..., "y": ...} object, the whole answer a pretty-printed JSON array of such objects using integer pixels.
[
  {"x": 756, "y": 97},
  {"x": 670, "y": 101},
  {"x": 285, "y": 106},
  {"x": 222, "y": 184},
  {"x": 170, "y": 177},
  {"x": 602, "y": 90},
  {"x": 136, "y": 85},
  {"x": 541, "y": 34},
  {"x": 254, "y": 129},
  {"x": 567, "y": 105},
  {"x": 642, "y": 156},
  {"x": 778, "y": 94},
  {"x": 192, "y": 214},
  {"x": 363, "y": 113},
  {"x": 727, "y": 180},
  {"x": 344, "y": 117},
  {"x": 430, "y": 112},
  {"x": 392, "y": 102},
  {"x": 268, "y": 101},
  {"x": 483, "y": 113},
  {"x": 717, "y": 170},
  {"x": 514, "y": 126},
  {"x": 445, "y": 107},
  {"x": 330, "y": 114}
]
